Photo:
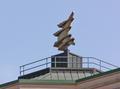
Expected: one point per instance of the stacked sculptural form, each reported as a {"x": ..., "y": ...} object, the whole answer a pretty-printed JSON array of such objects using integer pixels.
[{"x": 64, "y": 39}]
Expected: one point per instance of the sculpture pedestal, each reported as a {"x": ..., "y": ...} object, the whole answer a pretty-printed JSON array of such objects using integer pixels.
[{"x": 66, "y": 60}]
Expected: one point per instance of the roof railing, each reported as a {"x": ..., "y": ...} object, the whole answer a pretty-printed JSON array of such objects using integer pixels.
[{"x": 87, "y": 62}]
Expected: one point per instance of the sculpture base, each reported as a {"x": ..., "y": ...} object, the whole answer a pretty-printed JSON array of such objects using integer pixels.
[{"x": 66, "y": 60}]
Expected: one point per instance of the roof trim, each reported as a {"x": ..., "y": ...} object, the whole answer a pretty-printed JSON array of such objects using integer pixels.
[
  {"x": 98, "y": 75},
  {"x": 52, "y": 82},
  {"x": 35, "y": 74},
  {"x": 8, "y": 83}
]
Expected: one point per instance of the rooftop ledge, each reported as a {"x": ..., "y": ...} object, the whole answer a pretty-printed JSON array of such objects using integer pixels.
[{"x": 66, "y": 82}]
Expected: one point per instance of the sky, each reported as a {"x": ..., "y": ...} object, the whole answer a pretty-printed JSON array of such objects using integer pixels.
[{"x": 27, "y": 27}]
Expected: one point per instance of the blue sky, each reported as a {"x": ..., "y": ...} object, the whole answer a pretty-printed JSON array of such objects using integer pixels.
[{"x": 26, "y": 28}]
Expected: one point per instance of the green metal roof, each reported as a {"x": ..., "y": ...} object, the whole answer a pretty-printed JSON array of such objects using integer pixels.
[
  {"x": 98, "y": 75},
  {"x": 27, "y": 81}
]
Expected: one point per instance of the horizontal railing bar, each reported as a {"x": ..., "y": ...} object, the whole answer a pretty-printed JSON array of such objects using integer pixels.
[
  {"x": 35, "y": 61},
  {"x": 60, "y": 62},
  {"x": 71, "y": 63},
  {"x": 101, "y": 66},
  {"x": 67, "y": 57},
  {"x": 35, "y": 67},
  {"x": 101, "y": 61},
  {"x": 98, "y": 65}
]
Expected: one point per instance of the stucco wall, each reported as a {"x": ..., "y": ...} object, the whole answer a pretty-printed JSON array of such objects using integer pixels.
[
  {"x": 112, "y": 81},
  {"x": 48, "y": 87}
]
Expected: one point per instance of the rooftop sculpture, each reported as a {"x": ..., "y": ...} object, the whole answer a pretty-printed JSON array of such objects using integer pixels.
[{"x": 64, "y": 39}]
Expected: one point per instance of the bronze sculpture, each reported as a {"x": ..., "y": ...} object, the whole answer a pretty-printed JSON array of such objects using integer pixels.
[{"x": 64, "y": 39}]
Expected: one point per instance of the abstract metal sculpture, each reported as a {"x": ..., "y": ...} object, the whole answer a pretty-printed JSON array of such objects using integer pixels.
[{"x": 64, "y": 39}]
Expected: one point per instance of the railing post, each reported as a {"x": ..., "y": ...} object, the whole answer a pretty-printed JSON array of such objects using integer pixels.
[
  {"x": 88, "y": 62},
  {"x": 23, "y": 70},
  {"x": 72, "y": 62},
  {"x": 46, "y": 62},
  {"x": 76, "y": 62},
  {"x": 20, "y": 70},
  {"x": 55, "y": 62},
  {"x": 100, "y": 65}
]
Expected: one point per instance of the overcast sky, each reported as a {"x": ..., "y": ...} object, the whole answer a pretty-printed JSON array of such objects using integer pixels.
[{"x": 27, "y": 27}]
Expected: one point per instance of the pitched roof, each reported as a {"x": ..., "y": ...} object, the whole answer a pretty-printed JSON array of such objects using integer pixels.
[{"x": 27, "y": 81}]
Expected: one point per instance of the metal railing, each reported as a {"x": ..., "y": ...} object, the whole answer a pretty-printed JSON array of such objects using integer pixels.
[{"x": 87, "y": 62}]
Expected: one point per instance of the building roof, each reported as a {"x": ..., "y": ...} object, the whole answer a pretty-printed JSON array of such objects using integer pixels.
[{"x": 67, "y": 82}]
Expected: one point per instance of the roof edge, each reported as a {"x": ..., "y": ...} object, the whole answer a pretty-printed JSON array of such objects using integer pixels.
[
  {"x": 98, "y": 75},
  {"x": 8, "y": 83},
  {"x": 51, "y": 82}
]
